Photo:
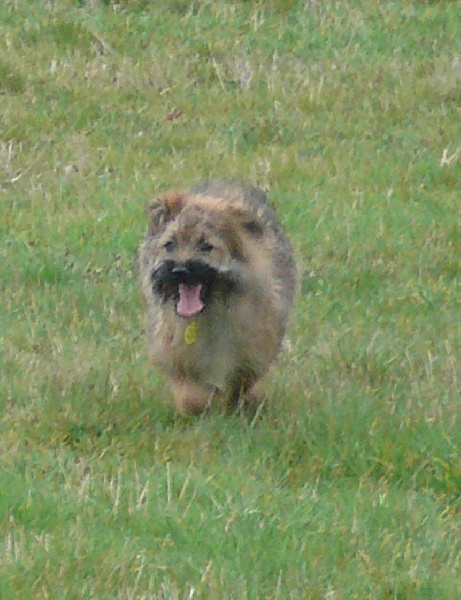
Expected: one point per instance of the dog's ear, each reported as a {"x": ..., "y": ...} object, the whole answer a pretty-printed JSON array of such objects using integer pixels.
[
  {"x": 238, "y": 221},
  {"x": 250, "y": 221},
  {"x": 253, "y": 227},
  {"x": 163, "y": 209}
]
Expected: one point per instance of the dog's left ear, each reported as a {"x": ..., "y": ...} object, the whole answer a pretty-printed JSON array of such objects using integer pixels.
[
  {"x": 253, "y": 227},
  {"x": 164, "y": 209},
  {"x": 249, "y": 221}
]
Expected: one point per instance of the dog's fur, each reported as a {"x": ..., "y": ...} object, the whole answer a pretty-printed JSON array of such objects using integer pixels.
[{"x": 218, "y": 277}]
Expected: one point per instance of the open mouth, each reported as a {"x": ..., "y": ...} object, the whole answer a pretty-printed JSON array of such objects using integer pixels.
[
  {"x": 193, "y": 285},
  {"x": 189, "y": 302},
  {"x": 190, "y": 284}
]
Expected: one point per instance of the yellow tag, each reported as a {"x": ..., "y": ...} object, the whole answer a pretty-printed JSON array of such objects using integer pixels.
[{"x": 190, "y": 335}]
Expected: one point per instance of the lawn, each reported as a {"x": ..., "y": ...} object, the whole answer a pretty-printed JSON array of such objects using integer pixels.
[{"x": 348, "y": 484}]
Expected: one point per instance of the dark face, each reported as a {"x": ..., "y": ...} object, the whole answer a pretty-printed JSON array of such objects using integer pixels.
[
  {"x": 191, "y": 284},
  {"x": 196, "y": 267}
]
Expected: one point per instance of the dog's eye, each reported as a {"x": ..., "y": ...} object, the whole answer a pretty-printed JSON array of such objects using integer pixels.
[
  {"x": 204, "y": 246},
  {"x": 169, "y": 246}
]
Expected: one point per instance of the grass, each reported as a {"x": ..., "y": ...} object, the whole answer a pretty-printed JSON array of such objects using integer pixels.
[{"x": 349, "y": 485}]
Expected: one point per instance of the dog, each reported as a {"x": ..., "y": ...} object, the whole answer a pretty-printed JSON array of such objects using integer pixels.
[{"x": 218, "y": 277}]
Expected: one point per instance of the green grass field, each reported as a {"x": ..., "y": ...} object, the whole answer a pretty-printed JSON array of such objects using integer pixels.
[{"x": 348, "y": 486}]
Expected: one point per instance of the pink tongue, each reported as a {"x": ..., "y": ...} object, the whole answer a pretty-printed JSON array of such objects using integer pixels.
[{"x": 189, "y": 303}]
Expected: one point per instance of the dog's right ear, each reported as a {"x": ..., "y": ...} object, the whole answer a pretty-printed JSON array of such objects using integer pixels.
[{"x": 164, "y": 209}]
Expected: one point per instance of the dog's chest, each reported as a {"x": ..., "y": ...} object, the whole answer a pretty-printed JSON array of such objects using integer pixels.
[{"x": 205, "y": 349}]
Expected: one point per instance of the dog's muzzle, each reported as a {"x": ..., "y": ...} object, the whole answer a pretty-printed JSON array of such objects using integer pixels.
[{"x": 192, "y": 284}]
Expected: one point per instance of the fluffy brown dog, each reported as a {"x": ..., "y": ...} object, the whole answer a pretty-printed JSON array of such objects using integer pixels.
[{"x": 218, "y": 277}]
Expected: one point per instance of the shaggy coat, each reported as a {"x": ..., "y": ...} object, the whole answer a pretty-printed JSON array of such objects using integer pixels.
[{"x": 218, "y": 278}]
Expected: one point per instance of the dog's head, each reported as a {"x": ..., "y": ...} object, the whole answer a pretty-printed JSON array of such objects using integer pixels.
[{"x": 198, "y": 251}]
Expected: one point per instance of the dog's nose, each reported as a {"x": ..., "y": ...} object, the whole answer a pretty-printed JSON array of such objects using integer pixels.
[{"x": 180, "y": 271}]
